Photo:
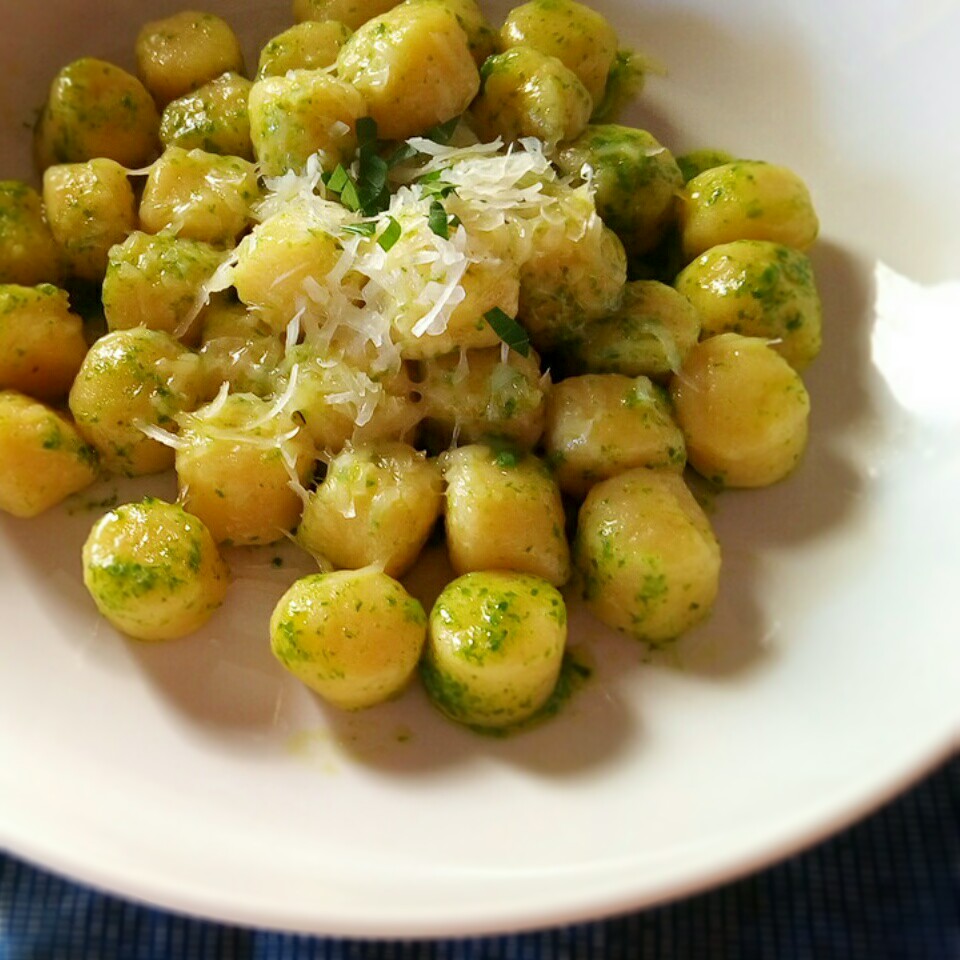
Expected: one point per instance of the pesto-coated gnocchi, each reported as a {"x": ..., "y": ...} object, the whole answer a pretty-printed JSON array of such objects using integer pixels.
[
  {"x": 28, "y": 252},
  {"x": 480, "y": 395},
  {"x": 90, "y": 207},
  {"x": 311, "y": 45},
  {"x": 96, "y": 109},
  {"x": 213, "y": 118},
  {"x": 413, "y": 68},
  {"x": 599, "y": 425},
  {"x": 635, "y": 177},
  {"x": 527, "y": 93},
  {"x": 184, "y": 51},
  {"x": 153, "y": 570},
  {"x": 44, "y": 458},
  {"x": 494, "y": 649},
  {"x": 376, "y": 506},
  {"x": 582, "y": 38},
  {"x": 238, "y": 349},
  {"x": 569, "y": 281},
  {"x": 743, "y": 410},
  {"x": 157, "y": 282},
  {"x": 300, "y": 114},
  {"x": 648, "y": 560},
  {"x": 504, "y": 512},
  {"x": 352, "y": 636},
  {"x": 353, "y": 13},
  {"x": 41, "y": 341},
  {"x": 746, "y": 200},
  {"x": 649, "y": 335},
  {"x": 237, "y": 467},
  {"x": 199, "y": 195},
  {"x": 757, "y": 289},
  {"x": 481, "y": 37},
  {"x": 131, "y": 379}
]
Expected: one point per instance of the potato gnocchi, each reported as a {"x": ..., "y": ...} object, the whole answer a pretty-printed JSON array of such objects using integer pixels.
[{"x": 414, "y": 277}]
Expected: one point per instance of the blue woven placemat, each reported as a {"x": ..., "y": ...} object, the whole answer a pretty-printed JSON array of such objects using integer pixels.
[{"x": 887, "y": 889}]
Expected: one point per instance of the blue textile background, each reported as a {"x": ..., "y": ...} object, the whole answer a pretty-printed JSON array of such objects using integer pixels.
[{"x": 887, "y": 889}]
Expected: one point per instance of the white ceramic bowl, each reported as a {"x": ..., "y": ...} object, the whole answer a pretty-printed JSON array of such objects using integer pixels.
[{"x": 195, "y": 775}]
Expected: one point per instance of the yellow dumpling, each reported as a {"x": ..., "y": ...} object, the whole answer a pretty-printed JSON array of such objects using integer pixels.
[
  {"x": 353, "y": 636},
  {"x": 181, "y": 52},
  {"x": 153, "y": 570},
  {"x": 743, "y": 410},
  {"x": 494, "y": 648},
  {"x": 648, "y": 560},
  {"x": 413, "y": 68},
  {"x": 44, "y": 458},
  {"x": 237, "y": 461},
  {"x": 96, "y": 109},
  {"x": 41, "y": 341},
  {"x": 376, "y": 506}
]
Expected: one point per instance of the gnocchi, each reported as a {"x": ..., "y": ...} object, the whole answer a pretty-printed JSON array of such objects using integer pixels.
[{"x": 412, "y": 282}]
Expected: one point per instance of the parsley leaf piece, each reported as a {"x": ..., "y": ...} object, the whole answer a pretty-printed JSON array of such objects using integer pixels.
[
  {"x": 349, "y": 196},
  {"x": 437, "y": 220},
  {"x": 509, "y": 331},
  {"x": 432, "y": 186},
  {"x": 389, "y": 236},
  {"x": 372, "y": 187},
  {"x": 338, "y": 179},
  {"x": 365, "y": 229}
]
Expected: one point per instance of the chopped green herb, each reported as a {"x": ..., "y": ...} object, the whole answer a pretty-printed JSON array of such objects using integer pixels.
[
  {"x": 389, "y": 236},
  {"x": 338, "y": 179},
  {"x": 509, "y": 331},
  {"x": 366, "y": 229},
  {"x": 437, "y": 219}
]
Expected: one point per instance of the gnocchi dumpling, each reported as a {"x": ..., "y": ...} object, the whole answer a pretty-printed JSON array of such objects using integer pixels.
[
  {"x": 757, "y": 289},
  {"x": 743, "y": 410},
  {"x": 28, "y": 252},
  {"x": 199, "y": 195},
  {"x": 635, "y": 178},
  {"x": 746, "y": 200},
  {"x": 580, "y": 37},
  {"x": 575, "y": 272},
  {"x": 353, "y": 13},
  {"x": 157, "y": 282},
  {"x": 352, "y": 636},
  {"x": 239, "y": 464},
  {"x": 181, "y": 52},
  {"x": 41, "y": 341},
  {"x": 128, "y": 381},
  {"x": 647, "y": 557},
  {"x": 302, "y": 113},
  {"x": 311, "y": 45},
  {"x": 601, "y": 424},
  {"x": 479, "y": 395},
  {"x": 651, "y": 333},
  {"x": 44, "y": 458},
  {"x": 377, "y": 505},
  {"x": 494, "y": 649},
  {"x": 413, "y": 68},
  {"x": 96, "y": 109},
  {"x": 153, "y": 570},
  {"x": 527, "y": 93},
  {"x": 213, "y": 118},
  {"x": 504, "y": 512},
  {"x": 90, "y": 207}
]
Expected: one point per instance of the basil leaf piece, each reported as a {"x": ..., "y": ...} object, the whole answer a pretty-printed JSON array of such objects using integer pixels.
[{"x": 509, "y": 331}]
